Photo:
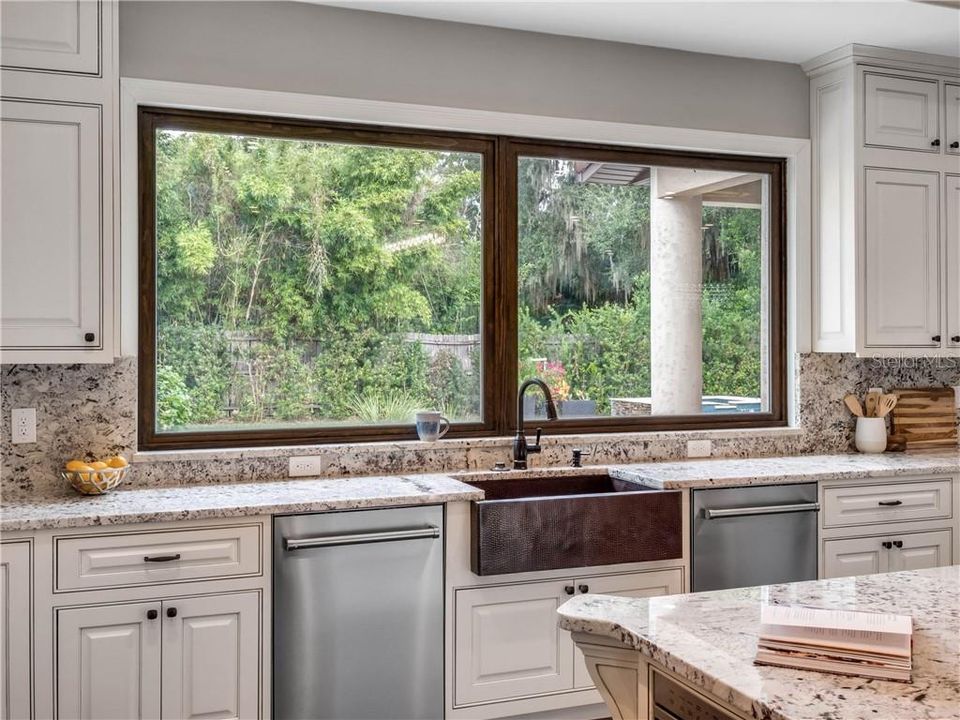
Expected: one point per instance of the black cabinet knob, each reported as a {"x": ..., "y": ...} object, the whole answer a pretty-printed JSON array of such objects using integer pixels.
[
  {"x": 955, "y": 338},
  {"x": 584, "y": 588},
  {"x": 936, "y": 143},
  {"x": 171, "y": 612},
  {"x": 887, "y": 544},
  {"x": 568, "y": 589},
  {"x": 89, "y": 337},
  {"x": 898, "y": 543},
  {"x": 936, "y": 338},
  {"x": 151, "y": 614},
  {"x": 955, "y": 144}
]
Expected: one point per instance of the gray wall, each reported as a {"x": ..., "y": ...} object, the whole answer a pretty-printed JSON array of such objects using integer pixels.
[{"x": 300, "y": 47}]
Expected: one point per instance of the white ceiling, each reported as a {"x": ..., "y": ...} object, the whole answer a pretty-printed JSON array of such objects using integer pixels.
[{"x": 766, "y": 29}]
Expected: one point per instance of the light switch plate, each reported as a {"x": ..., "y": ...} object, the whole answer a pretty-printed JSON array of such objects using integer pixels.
[
  {"x": 23, "y": 425},
  {"x": 699, "y": 448},
  {"x": 307, "y": 465}
]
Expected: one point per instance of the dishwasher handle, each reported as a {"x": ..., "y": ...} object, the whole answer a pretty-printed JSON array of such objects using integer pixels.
[
  {"x": 711, "y": 514},
  {"x": 361, "y": 538}
]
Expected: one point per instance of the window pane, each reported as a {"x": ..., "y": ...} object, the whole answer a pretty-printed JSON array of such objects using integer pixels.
[
  {"x": 642, "y": 289},
  {"x": 306, "y": 283}
]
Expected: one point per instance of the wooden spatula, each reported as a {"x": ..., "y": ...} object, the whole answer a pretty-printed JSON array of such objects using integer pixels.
[
  {"x": 870, "y": 403},
  {"x": 853, "y": 404},
  {"x": 886, "y": 404}
]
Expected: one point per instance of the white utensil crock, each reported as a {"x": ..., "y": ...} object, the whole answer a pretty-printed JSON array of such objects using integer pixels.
[{"x": 871, "y": 435}]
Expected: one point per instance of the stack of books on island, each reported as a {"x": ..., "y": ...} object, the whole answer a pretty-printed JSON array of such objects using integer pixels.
[{"x": 846, "y": 642}]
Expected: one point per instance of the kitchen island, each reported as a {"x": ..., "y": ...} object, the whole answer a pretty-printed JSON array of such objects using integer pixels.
[{"x": 692, "y": 655}]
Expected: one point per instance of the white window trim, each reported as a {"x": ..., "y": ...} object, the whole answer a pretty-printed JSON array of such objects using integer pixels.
[{"x": 161, "y": 93}]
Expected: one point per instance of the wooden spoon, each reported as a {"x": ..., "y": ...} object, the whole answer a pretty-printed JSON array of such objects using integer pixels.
[
  {"x": 886, "y": 404},
  {"x": 853, "y": 405},
  {"x": 870, "y": 401}
]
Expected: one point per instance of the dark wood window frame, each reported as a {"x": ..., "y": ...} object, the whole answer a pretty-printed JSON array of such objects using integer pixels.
[{"x": 499, "y": 297}]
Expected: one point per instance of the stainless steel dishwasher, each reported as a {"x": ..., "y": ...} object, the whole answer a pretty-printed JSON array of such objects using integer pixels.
[
  {"x": 756, "y": 535},
  {"x": 358, "y": 615}
]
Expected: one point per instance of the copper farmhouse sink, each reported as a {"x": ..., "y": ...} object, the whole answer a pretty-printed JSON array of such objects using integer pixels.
[{"x": 548, "y": 523}]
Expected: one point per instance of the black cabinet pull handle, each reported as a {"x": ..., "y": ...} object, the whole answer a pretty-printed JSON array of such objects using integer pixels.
[
  {"x": 89, "y": 337},
  {"x": 151, "y": 614},
  {"x": 955, "y": 144},
  {"x": 890, "y": 503},
  {"x": 936, "y": 338},
  {"x": 171, "y": 612},
  {"x": 161, "y": 558},
  {"x": 568, "y": 589},
  {"x": 887, "y": 544},
  {"x": 936, "y": 143},
  {"x": 584, "y": 588},
  {"x": 898, "y": 543}
]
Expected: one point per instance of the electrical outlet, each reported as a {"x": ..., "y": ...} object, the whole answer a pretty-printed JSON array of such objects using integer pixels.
[
  {"x": 306, "y": 465},
  {"x": 23, "y": 424},
  {"x": 956, "y": 395},
  {"x": 699, "y": 448}
]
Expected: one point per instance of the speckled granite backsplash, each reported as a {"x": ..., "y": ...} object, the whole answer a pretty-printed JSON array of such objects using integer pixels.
[{"x": 91, "y": 410}]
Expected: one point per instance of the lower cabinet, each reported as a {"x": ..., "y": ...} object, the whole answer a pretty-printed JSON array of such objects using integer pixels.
[
  {"x": 179, "y": 658},
  {"x": 887, "y": 553},
  {"x": 15, "y": 626},
  {"x": 508, "y": 641}
]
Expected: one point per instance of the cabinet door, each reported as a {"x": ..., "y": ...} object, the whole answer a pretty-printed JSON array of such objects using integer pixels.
[
  {"x": 902, "y": 292},
  {"x": 952, "y": 201},
  {"x": 635, "y": 585},
  {"x": 16, "y": 654},
  {"x": 951, "y": 107},
  {"x": 108, "y": 662},
  {"x": 854, "y": 556},
  {"x": 51, "y": 276},
  {"x": 50, "y": 35},
  {"x": 211, "y": 657},
  {"x": 509, "y": 643},
  {"x": 901, "y": 112},
  {"x": 921, "y": 550}
]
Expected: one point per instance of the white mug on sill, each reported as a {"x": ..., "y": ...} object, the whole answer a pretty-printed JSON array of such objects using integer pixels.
[{"x": 431, "y": 425}]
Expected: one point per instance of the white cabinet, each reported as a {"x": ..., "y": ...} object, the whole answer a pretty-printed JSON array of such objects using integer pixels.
[
  {"x": 16, "y": 624},
  {"x": 176, "y": 659},
  {"x": 887, "y": 553},
  {"x": 951, "y": 114},
  {"x": 108, "y": 662},
  {"x": 952, "y": 225},
  {"x": 60, "y": 36},
  {"x": 52, "y": 228},
  {"x": 901, "y": 112},
  {"x": 211, "y": 653},
  {"x": 509, "y": 643},
  {"x": 902, "y": 258}
]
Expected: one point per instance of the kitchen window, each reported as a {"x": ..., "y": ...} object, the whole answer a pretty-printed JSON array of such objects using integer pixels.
[{"x": 315, "y": 282}]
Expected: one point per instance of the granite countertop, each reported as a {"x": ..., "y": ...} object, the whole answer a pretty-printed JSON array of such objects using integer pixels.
[
  {"x": 729, "y": 472},
  {"x": 213, "y": 501},
  {"x": 710, "y": 640}
]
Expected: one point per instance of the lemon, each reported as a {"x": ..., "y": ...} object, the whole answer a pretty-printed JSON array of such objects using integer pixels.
[
  {"x": 75, "y": 465},
  {"x": 117, "y": 462},
  {"x": 99, "y": 465}
]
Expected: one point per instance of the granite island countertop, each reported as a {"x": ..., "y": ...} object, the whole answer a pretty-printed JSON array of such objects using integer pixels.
[
  {"x": 709, "y": 639},
  {"x": 189, "y": 502}
]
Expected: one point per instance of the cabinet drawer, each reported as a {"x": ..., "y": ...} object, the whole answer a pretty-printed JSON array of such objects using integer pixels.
[
  {"x": 926, "y": 500},
  {"x": 99, "y": 561}
]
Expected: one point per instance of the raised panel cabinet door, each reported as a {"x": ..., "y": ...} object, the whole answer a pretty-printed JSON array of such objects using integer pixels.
[
  {"x": 902, "y": 256},
  {"x": 51, "y": 272},
  {"x": 635, "y": 585},
  {"x": 854, "y": 556},
  {"x": 901, "y": 113},
  {"x": 16, "y": 654},
  {"x": 919, "y": 551},
  {"x": 951, "y": 184},
  {"x": 509, "y": 644},
  {"x": 211, "y": 657},
  {"x": 60, "y": 36},
  {"x": 951, "y": 108},
  {"x": 108, "y": 662}
]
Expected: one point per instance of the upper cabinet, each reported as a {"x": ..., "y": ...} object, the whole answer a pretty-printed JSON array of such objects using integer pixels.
[
  {"x": 59, "y": 223},
  {"x": 57, "y": 36},
  {"x": 886, "y": 141},
  {"x": 901, "y": 112}
]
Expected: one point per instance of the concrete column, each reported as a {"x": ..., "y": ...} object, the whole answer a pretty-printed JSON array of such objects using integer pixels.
[{"x": 676, "y": 276}]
